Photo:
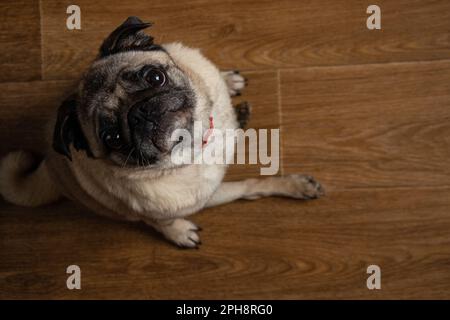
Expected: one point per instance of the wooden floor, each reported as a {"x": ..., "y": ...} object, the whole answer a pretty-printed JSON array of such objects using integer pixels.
[{"x": 366, "y": 112}]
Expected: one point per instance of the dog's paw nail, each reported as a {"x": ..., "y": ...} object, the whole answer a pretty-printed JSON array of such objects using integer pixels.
[{"x": 195, "y": 241}]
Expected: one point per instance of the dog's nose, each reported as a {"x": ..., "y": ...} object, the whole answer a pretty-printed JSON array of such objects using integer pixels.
[{"x": 146, "y": 111}]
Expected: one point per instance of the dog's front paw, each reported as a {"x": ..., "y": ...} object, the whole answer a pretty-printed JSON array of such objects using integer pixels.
[
  {"x": 182, "y": 232},
  {"x": 302, "y": 186},
  {"x": 235, "y": 82}
]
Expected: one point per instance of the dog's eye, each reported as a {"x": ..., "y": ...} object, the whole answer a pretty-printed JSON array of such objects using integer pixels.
[
  {"x": 112, "y": 140},
  {"x": 155, "y": 77}
]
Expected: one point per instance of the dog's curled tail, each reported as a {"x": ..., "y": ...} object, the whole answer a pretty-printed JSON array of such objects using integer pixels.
[{"x": 26, "y": 182}]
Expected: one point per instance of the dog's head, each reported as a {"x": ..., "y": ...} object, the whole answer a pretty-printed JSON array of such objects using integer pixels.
[{"x": 129, "y": 102}]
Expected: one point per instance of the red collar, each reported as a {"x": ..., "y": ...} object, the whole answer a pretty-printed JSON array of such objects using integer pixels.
[{"x": 208, "y": 132}]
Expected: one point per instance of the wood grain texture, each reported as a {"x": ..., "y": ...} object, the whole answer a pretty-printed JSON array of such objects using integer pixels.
[
  {"x": 366, "y": 112},
  {"x": 26, "y": 108},
  {"x": 245, "y": 35},
  {"x": 368, "y": 126},
  {"x": 20, "y": 40},
  {"x": 266, "y": 249}
]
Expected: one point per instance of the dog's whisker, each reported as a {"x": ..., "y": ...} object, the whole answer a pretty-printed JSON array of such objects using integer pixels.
[
  {"x": 126, "y": 160},
  {"x": 141, "y": 157}
]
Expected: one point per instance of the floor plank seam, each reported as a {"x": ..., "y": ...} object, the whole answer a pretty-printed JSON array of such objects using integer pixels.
[
  {"x": 393, "y": 187},
  {"x": 284, "y": 69},
  {"x": 41, "y": 38},
  {"x": 393, "y": 63},
  {"x": 280, "y": 117}
]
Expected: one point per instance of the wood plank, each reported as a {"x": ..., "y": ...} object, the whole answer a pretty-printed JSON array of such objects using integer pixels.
[
  {"x": 272, "y": 248},
  {"x": 368, "y": 126},
  {"x": 26, "y": 110},
  {"x": 20, "y": 41},
  {"x": 245, "y": 35}
]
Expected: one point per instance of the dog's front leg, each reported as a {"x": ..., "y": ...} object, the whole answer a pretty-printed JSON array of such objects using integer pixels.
[
  {"x": 180, "y": 231},
  {"x": 296, "y": 186}
]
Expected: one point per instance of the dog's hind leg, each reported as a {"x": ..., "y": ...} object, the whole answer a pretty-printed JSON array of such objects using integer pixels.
[
  {"x": 235, "y": 82},
  {"x": 296, "y": 186}
]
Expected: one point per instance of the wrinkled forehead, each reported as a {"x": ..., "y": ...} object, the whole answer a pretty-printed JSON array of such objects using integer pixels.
[{"x": 101, "y": 79}]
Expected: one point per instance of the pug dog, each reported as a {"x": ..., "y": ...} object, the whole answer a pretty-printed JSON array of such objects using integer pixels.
[{"x": 111, "y": 144}]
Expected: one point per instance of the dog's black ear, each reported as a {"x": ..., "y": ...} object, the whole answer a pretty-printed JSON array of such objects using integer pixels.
[
  {"x": 128, "y": 36},
  {"x": 68, "y": 130}
]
